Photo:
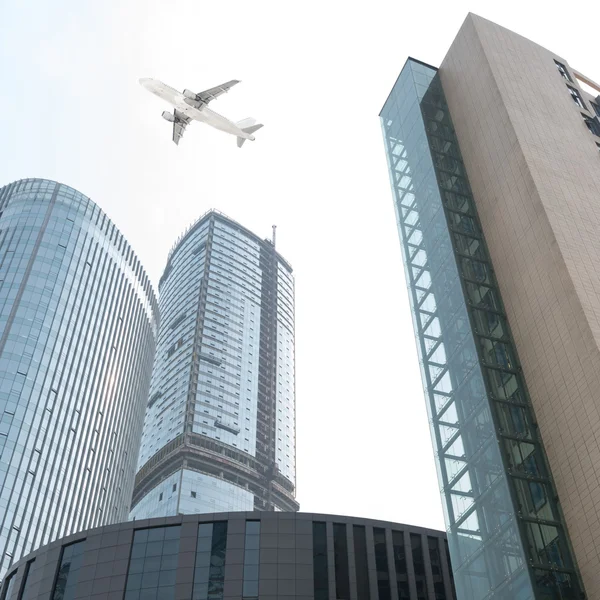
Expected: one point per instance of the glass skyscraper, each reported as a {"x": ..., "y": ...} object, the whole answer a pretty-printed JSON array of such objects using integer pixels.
[
  {"x": 511, "y": 242},
  {"x": 219, "y": 433},
  {"x": 77, "y": 338}
]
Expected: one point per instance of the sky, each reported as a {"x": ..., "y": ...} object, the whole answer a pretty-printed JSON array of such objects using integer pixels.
[{"x": 316, "y": 73}]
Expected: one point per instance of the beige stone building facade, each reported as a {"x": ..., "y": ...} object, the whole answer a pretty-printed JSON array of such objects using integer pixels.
[
  {"x": 494, "y": 161},
  {"x": 534, "y": 169}
]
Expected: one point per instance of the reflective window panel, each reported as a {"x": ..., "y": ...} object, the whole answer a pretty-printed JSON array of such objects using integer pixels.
[
  {"x": 68, "y": 572},
  {"x": 320, "y": 568},
  {"x": 251, "y": 560},
  {"x": 153, "y": 564},
  {"x": 340, "y": 557}
]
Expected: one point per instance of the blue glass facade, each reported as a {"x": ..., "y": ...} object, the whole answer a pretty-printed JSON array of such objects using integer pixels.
[
  {"x": 219, "y": 433},
  {"x": 506, "y": 532},
  {"x": 77, "y": 338}
]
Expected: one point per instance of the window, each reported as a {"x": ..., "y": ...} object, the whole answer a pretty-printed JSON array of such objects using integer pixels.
[
  {"x": 576, "y": 96},
  {"x": 209, "y": 574},
  {"x": 592, "y": 124},
  {"x": 340, "y": 550},
  {"x": 435, "y": 558},
  {"x": 153, "y": 563},
  {"x": 320, "y": 572},
  {"x": 251, "y": 555},
  {"x": 381, "y": 563},
  {"x": 419, "y": 566},
  {"x": 596, "y": 108},
  {"x": 362, "y": 565},
  {"x": 25, "y": 577},
  {"x": 193, "y": 494},
  {"x": 563, "y": 71},
  {"x": 68, "y": 571},
  {"x": 400, "y": 563},
  {"x": 450, "y": 571},
  {"x": 9, "y": 584}
]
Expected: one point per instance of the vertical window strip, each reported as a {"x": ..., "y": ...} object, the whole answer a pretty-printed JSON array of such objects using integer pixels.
[
  {"x": 9, "y": 584},
  {"x": 68, "y": 571},
  {"x": 25, "y": 577},
  {"x": 450, "y": 569},
  {"x": 251, "y": 556},
  {"x": 361, "y": 563},
  {"x": 340, "y": 550},
  {"x": 217, "y": 562},
  {"x": 401, "y": 566},
  {"x": 381, "y": 563},
  {"x": 320, "y": 570},
  {"x": 419, "y": 566},
  {"x": 209, "y": 574},
  {"x": 435, "y": 559},
  {"x": 203, "y": 556},
  {"x": 153, "y": 563}
]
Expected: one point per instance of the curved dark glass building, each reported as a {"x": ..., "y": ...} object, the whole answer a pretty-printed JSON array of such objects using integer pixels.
[
  {"x": 219, "y": 433},
  {"x": 240, "y": 556},
  {"x": 77, "y": 338}
]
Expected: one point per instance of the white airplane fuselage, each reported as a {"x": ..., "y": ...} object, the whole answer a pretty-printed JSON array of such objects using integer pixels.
[{"x": 203, "y": 114}]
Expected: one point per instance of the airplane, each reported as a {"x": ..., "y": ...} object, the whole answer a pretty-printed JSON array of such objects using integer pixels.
[{"x": 190, "y": 106}]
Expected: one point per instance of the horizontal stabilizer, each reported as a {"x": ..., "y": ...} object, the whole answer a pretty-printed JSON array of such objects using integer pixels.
[
  {"x": 246, "y": 122},
  {"x": 252, "y": 128},
  {"x": 247, "y": 126}
]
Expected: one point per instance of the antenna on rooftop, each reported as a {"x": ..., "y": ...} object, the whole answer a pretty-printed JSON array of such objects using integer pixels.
[{"x": 274, "y": 234}]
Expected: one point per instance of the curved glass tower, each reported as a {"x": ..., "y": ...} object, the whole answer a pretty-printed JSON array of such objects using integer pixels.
[
  {"x": 77, "y": 338},
  {"x": 219, "y": 433}
]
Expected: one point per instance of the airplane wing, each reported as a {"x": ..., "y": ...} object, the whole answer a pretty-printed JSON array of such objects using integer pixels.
[
  {"x": 179, "y": 125},
  {"x": 207, "y": 95}
]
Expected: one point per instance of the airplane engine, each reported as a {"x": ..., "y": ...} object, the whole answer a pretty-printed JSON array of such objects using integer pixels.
[
  {"x": 190, "y": 95},
  {"x": 167, "y": 116}
]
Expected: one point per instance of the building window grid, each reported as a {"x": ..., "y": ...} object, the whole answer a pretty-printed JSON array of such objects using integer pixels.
[
  {"x": 340, "y": 553},
  {"x": 7, "y": 588},
  {"x": 320, "y": 566},
  {"x": 251, "y": 560},
  {"x": 576, "y": 96},
  {"x": 361, "y": 563},
  {"x": 401, "y": 565},
  {"x": 562, "y": 69},
  {"x": 419, "y": 566},
  {"x": 435, "y": 560},
  {"x": 209, "y": 573},
  {"x": 67, "y": 575},
  {"x": 25, "y": 578},
  {"x": 153, "y": 564},
  {"x": 592, "y": 124},
  {"x": 381, "y": 564},
  {"x": 431, "y": 341}
]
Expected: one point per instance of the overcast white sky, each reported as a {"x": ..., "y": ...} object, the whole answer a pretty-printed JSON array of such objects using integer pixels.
[{"x": 316, "y": 73}]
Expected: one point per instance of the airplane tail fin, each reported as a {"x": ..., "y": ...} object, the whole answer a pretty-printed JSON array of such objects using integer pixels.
[{"x": 248, "y": 126}]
